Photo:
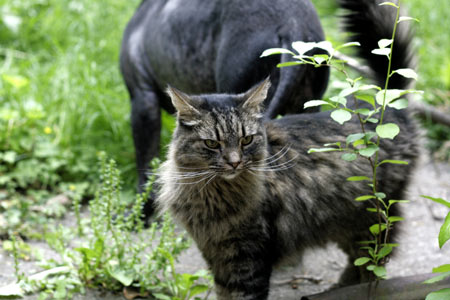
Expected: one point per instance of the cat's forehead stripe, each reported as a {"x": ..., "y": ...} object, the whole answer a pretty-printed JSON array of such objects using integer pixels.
[{"x": 221, "y": 125}]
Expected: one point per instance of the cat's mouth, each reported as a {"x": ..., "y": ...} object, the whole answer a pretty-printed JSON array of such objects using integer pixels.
[{"x": 230, "y": 174}]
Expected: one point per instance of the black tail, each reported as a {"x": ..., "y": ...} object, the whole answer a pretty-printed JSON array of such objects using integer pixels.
[{"x": 370, "y": 22}]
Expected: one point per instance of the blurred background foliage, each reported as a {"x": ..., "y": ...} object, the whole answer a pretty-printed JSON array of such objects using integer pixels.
[{"x": 62, "y": 99}]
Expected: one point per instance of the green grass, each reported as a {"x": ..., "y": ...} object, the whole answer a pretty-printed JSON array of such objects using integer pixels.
[{"x": 62, "y": 99}]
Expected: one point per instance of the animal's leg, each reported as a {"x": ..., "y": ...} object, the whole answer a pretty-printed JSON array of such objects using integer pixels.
[{"x": 146, "y": 127}]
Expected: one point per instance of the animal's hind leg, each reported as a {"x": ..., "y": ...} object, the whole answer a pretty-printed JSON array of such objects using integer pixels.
[{"x": 146, "y": 127}]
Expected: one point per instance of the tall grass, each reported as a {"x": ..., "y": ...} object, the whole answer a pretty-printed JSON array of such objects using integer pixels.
[{"x": 59, "y": 59}]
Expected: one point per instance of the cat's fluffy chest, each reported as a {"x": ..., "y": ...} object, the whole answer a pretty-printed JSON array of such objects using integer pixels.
[{"x": 212, "y": 205}]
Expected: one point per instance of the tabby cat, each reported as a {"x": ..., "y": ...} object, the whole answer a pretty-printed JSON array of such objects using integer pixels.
[{"x": 250, "y": 195}]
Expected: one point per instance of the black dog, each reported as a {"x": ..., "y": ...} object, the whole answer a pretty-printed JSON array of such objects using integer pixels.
[{"x": 213, "y": 46}]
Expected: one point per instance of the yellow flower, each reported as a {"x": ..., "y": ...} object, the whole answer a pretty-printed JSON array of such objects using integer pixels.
[
  {"x": 47, "y": 130},
  {"x": 72, "y": 187}
]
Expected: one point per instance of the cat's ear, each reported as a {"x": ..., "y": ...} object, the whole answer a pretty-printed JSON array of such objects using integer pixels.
[
  {"x": 184, "y": 105},
  {"x": 254, "y": 98}
]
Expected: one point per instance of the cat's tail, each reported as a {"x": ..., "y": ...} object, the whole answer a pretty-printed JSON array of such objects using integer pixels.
[{"x": 369, "y": 22}]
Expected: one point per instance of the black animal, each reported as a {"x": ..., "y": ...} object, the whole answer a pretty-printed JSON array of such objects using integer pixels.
[{"x": 213, "y": 46}]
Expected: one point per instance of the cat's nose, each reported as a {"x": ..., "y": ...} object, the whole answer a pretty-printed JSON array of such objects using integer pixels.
[
  {"x": 234, "y": 159},
  {"x": 234, "y": 164}
]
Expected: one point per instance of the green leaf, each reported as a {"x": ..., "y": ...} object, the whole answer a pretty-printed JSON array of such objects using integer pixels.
[
  {"x": 393, "y": 219},
  {"x": 349, "y": 44},
  {"x": 366, "y": 98},
  {"x": 338, "y": 144},
  {"x": 408, "y": 73},
  {"x": 339, "y": 99},
  {"x": 198, "y": 289},
  {"x": 358, "y": 142},
  {"x": 361, "y": 261},
  {"x": 370, "y": 267},
  {"x": 358, "y": 178},
  {"x": 375, "y": 228},
  {"x": 383, "y": 51},
  {"x": 404, "y": 18},
  {"x": 349, "y": 156},
  {"x": 391, "y": 161},
  {"x": 365, "y": 197},
  {"x": 341, "y": 116},
  {"x": 303, "y": 47},
  {"x": 325, "y": 45},
  {"x": 363, "y": 111},
  {"x": 314, "y": 103},
  {"x": 388, "y": 130},
  {"x": 289, "y": 64},
  {"x": 380, "y": 271},
  {"x": 442, "y": 269},
  {"x": 398, "y": 201},
  {"x": 444, "y": 233},
  {"x": 443, "y": 294},
  {"x": 399, "y": 104},
  {"x": 368, "y": 151},
  {"x": 372, "y": 120},
  {"x": 380, "y": 195},
  {"x": 438, "y": 200},
  {"x": 369, "y": 135},
  {"x": 320, "y": 58},
  {"x": 437, "y": 278},
  {"x": 348, "y": 91},
  {"x": 383, "y": 43},
  {"x": 161, "y": 296},
  {"x": 354, "y": 137},
  {"x": 313, "y": 150},
  {"x": 121, "y": 275},
  {"x": 388, "y": 3},
  {"x": 273, "y": 51},
  {"x": 391, "y": 94},
  {"x": 366, "y": 87},
  {"x": 384, "y": 251}
]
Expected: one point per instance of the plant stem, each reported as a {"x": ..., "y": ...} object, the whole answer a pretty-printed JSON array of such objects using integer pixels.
[{"x": 375, "y": 163}]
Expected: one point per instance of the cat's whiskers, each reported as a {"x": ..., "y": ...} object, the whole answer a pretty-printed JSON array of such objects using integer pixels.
[
  {"x": 277, "y": 156},
  {"x": 278, "y": 167},
  {"x": 203, "y": 177},
  {"x": 209, "y": 180}
]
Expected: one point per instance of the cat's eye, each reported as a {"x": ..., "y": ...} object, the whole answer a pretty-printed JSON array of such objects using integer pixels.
[
  {"x": 212, "y": 144},
  {"x": 247, "y": 140}
]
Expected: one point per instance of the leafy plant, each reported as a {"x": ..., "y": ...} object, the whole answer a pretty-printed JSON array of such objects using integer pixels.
[
  {"x": 116, "y": 252},
  {"x": 444, "y": 270},
  {"x": 366, "y": 143}
]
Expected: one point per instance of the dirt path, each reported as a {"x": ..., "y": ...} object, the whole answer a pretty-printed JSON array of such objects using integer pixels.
[{"x": 418, "y": 251}]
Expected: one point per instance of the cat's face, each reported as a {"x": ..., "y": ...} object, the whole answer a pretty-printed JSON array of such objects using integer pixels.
[{"x": 219, "y": 135}]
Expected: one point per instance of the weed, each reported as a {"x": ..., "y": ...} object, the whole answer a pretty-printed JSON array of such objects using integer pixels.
[{"x": 116, "y": 251}]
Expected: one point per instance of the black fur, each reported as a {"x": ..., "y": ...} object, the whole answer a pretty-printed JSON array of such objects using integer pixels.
[{"x": 213, "y": 47}]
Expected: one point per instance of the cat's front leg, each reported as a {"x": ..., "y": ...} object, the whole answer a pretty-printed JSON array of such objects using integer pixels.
[{"x": 247, "y": 279}]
